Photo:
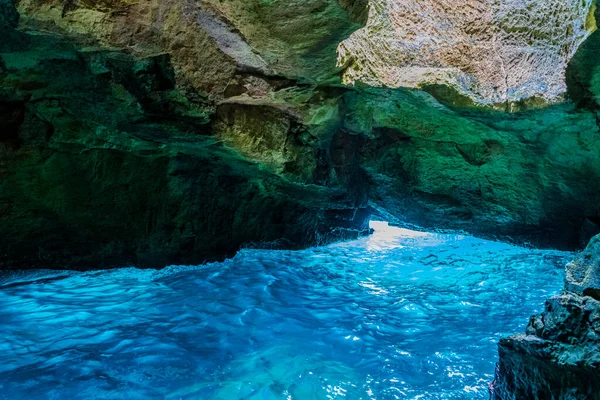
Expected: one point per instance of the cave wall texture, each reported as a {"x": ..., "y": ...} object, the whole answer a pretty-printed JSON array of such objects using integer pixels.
[
  {"x": 492, "y": 51},
  {"x": 103, "y": 99},
  {"x": 105, "y": 159}
]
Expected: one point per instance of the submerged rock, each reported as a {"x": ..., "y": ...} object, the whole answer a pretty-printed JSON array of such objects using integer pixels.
[{"x": 558, "y": 358}]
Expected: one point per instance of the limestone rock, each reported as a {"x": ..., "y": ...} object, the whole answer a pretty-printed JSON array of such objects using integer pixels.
[
  {"x": 297, "y": 38},
  {"x": 583, "y": 274},
  {"x": 104, "y": 162},
  {"x": 583, "y": 72},
  {"x": 493, "y": 51},
  {"x": 212, "y": 43},
  {"x": 257, "y": 81},
  {"x": 530, "y": 177},
  {"x": 533, "y": 176},
  {"x": 558, "y": 357}
]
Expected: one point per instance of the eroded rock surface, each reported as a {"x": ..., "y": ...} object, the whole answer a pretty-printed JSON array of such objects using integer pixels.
[
  {"x": 533, "y": 175},
  {"x": 237, "y": 107},
  {"x": 104, "y": 162},
  {"x": 493, "y": 51},
  {"x": 558, "y": 358},
  {"x": 217, "y": 46}
]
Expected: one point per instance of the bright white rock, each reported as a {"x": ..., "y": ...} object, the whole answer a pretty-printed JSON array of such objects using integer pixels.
[{"x": 493, "y": 51}]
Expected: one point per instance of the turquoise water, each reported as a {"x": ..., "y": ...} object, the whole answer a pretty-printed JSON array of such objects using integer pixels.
[{"x": 399, "y": 315}]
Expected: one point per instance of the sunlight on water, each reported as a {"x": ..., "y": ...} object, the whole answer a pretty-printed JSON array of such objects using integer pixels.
[
  {"x": 398, "y": 315},
  {"x": 386, "y": 236}
]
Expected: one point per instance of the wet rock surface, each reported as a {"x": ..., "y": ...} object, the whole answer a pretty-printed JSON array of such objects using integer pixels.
[{"x": 557, "y": 357}]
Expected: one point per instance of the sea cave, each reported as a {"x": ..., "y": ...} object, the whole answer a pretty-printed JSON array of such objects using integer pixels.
[{"x": 299, "y": 199}]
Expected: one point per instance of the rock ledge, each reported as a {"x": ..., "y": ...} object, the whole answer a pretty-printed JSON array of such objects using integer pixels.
[{"x": 558, "y": 357}]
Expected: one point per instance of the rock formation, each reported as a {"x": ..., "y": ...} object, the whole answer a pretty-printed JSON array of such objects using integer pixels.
[
  {"x": 481, "y": 172},
  {"x": 8, "y": 15},
  {"x": 105, "y": 162},
  {"x": 558, "y": 358},
  {"x": 493, "y": 51},
  {"x": 178, "y": 131},
  {"x": 222, "y": 47}
]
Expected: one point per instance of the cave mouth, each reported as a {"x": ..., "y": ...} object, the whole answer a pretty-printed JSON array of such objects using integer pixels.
[{"x": 398, "y": 313}]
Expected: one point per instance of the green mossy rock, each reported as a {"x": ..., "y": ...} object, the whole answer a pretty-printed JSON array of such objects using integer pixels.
[
  {"x": 583, "y": 72},
  {"x": 242, "y": 84},
  {"x": 297, "y": 38},
  {"x": 104, "y": 163},
  {"x": 533, "y": 175}
]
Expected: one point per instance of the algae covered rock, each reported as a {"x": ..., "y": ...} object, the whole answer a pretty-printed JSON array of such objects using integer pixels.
[
  {"x": 583, "y": 72},
  {"x": 114, "y": 149},
  {"x": 532, "y": 175},
  {"x": 103, "y": 162},
  {"x": 557, "y": 358},
  {"x": 214, "y": 45},
  {"x": 296, "y": 39},
  {"x": 180, "y": 93}
]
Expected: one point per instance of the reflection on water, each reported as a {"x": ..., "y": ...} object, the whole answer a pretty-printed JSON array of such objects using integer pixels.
[{"x": 399, "y": 315}]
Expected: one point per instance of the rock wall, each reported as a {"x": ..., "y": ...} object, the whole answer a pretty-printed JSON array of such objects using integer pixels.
[
  {"x": 529, "y": 177},
  {"x": 104, "y": 162},
  {"x": 8, "y": 14},
  {"x": 493, "y": 51},
  {"x": 558, "y": 358},
  {"x": 236, "y": 109},
  {"x": 219, "y": 47},
  {"x": 533, "y": 176}
]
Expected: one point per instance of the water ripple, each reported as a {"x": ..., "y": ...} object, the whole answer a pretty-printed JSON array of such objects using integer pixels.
[{"x": 395, "y": 316}]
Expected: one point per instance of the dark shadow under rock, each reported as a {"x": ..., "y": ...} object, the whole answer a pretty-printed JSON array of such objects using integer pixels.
[{"x": 9, "y": 17}]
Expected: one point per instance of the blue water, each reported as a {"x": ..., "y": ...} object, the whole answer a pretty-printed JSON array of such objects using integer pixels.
[{"x": 399, "y": 315}]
